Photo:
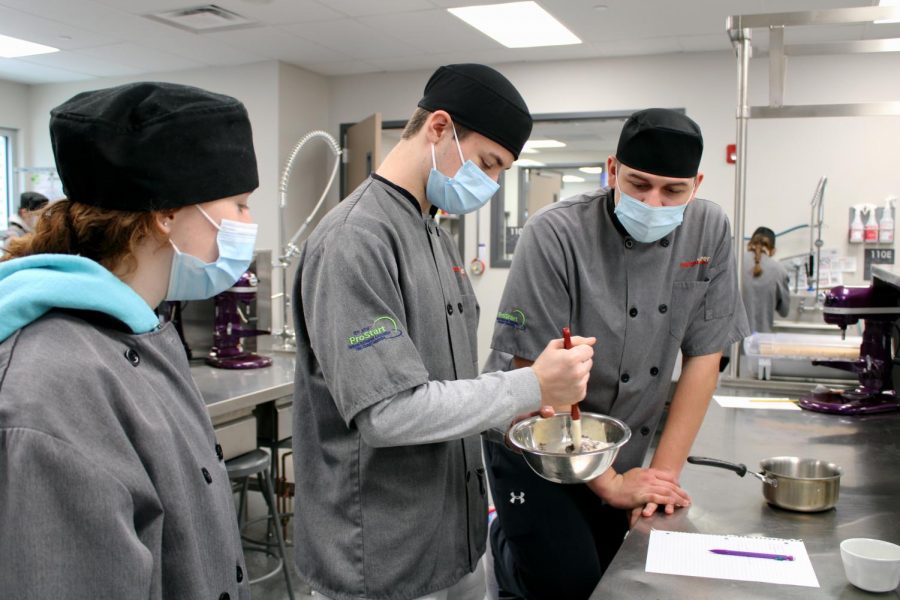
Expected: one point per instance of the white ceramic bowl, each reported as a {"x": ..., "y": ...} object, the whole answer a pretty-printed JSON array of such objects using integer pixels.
[{"x": 871, "y": 565}]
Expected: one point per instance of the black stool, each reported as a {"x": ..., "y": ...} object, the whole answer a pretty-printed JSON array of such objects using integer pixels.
[{"x": 241, "y": 469}]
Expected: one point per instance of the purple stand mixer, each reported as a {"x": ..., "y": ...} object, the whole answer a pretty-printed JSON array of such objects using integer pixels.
[
  {"x": 877, "y": 306},
  {"x": 230, "y": 322}
]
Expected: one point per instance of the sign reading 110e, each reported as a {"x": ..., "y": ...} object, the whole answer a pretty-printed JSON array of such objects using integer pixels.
[{"x": 876, "y": 256}]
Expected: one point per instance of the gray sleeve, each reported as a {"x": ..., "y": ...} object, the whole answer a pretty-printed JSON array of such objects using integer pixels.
[
  {"x": 355, "y": 319},
  {"x": 67, "y": 526},
  {"x": 447, "y": 410},
  {"x": 783, "y": 294},
  {"x": 535, "y": 305},
  {"x": 721, "y": 318}
]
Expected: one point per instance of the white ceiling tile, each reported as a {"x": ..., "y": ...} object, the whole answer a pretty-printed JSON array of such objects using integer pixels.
[
  {"x": 432, "y": 31},
  {"x": 423, "y": 61},
  {"x": 639, "y": 47},
  {"x": 704, "y": 43},
  {"x": 775, "y": 6},
  {"x": 358, "y": 8},
  {"x": 47, "y": 31},
  {"x": 205, "y": 48},
  {"x": 282, "y": 12},
  {"x": 146, "y": 60},
  {"x": 353, "y": 38},
  {"x": 342, "y": 37},
  {"x": 271, "y": 42},
  {"x": 74, "y": 60},
  {"x": 139, "y": 7},
  {"x": 350, "y": 67},
  {"x": 14, "y": 69}
]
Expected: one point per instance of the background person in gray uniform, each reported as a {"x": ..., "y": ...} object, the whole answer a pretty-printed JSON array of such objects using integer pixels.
[
  {"x": 111, "y": 481},
  {"x": 764, "y": 286},
  {"x": 23, "y": 221},
  {"x": 648, "y": 269},
  {"x": 390, "y": 488}
]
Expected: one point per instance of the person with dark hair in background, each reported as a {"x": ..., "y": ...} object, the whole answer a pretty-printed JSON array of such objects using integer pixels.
[
  {"x": 765, "y": 284},
  {"x": 23, "y": 221},
  {"x": 111, "y": 481}
]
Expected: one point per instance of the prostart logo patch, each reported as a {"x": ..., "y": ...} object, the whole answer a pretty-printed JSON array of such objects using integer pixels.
[
  {"x": 514, "y": 318},
  {"x": 382, "y": 328},
  {"x": 703, "y": 260}
]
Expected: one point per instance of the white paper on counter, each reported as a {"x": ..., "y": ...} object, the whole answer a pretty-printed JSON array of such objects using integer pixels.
[
  {"x": 680, "y": 553},
  {"x": 758, "y": 403}
]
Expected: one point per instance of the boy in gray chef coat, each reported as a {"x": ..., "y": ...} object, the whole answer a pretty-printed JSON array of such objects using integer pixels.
[
  {"x": 648, "y": 269},
  {"x": 390, "y": 488}
]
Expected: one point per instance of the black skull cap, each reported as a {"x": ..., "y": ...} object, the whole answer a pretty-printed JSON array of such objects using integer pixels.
[
  {"x": 152, "y": 146},
  {"x": 662, "y": 142},
  {"x": 481, "y": 99}
]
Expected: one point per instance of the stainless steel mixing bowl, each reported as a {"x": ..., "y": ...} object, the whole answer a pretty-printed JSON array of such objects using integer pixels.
[{"x": 543, "y": 443}]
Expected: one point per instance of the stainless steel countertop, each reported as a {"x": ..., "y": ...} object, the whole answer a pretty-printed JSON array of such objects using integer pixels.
[
  {"x": 228, "y": 390},
  {"x": 868, "y": 449}
]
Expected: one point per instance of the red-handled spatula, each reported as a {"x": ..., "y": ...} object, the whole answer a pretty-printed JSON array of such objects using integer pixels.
[{"x": 575, "y": 422}]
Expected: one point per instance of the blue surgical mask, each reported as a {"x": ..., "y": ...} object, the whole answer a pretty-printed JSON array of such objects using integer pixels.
[
  {"x": 193, "y": 279},
  {"x": 647, "y": 223},
  {"x": 468, "y": 190}
]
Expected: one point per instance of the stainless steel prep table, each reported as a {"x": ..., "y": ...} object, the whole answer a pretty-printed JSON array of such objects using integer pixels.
[
  {"x": 868, "y": 449},
  {"x": 232, "y": 395}
]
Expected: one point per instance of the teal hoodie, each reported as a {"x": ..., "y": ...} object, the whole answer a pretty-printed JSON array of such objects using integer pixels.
[{"x": 34, "y": 285}]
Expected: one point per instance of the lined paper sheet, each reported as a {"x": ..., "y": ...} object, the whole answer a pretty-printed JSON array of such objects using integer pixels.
[
  {"x": 750, "y": 402},
  {"x": 679, "y": 553}
]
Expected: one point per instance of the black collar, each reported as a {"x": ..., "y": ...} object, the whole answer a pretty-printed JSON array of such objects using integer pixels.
[
  {"x": 611, "y": 209},
  {"x": 405, "y": 194}
]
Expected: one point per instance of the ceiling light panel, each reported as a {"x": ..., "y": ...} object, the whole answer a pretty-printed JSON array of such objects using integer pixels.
[
  {"x": 517, "y": 24},
  {"x": 531, "y": 144},
  {"x": 11, "y": 47}
]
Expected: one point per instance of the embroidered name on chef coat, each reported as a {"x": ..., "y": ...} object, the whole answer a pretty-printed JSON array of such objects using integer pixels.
[
  {"x": 514, "y": 318},
  {"x": 703, "y": 260},
  {"x": 382, "y": 328}
]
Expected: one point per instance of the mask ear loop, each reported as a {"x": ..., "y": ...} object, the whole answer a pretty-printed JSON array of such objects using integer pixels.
[
  {"x": 433, "y": 159},
  {"x": 208, "y": 218},
  {"x": 462, "y": 160}
]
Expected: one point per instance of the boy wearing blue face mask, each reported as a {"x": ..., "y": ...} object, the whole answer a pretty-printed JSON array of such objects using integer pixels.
[
  {"x": 390, "y": 489},
  {"x": 112, "y": 484},
  {"x": 647, "y": 268}
]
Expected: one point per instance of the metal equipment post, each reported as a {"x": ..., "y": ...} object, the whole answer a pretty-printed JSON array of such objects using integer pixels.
[{"x": 742, "y": 47}]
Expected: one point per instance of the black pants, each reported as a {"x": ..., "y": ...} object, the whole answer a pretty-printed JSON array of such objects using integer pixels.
[{"x": 549, "y": 541}]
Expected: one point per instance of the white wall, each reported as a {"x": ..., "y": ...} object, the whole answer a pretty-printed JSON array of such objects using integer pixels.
[
  {"x": 256, "y": 85},
  {"x": 303, "y": 103},
  {"x": 786, "y": 157},
  {"x": 14, "y": 115}
]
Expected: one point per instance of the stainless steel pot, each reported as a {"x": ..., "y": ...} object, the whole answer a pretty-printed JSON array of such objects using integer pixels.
[{"x": 800, "y": 484}]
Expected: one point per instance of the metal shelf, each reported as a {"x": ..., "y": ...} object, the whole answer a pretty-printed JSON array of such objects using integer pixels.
[{"x": 739, "y": 29}]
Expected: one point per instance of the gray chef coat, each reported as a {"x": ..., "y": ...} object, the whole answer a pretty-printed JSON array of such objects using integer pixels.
[
  {"x": 765, "y": 294},
  {"x": 384, "y": 306},
  {"x": 575, "y": 265},
  {"x": 110, "y": 483}
]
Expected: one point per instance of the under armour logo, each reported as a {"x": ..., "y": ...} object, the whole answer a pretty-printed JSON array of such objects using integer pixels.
[{"x": 520, "y": 497}]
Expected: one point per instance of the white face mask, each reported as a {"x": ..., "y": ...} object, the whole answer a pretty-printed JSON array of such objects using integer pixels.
[
  {"x": 648, "y": 223},
  {"x": 468, "y": 190},
  {"x": 193, "y": 279}
]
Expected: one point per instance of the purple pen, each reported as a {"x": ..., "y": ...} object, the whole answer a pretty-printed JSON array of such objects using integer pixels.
[{"x": 752, "y": 554}]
